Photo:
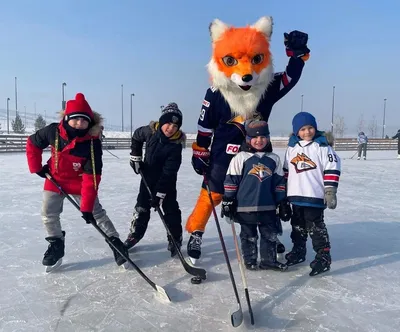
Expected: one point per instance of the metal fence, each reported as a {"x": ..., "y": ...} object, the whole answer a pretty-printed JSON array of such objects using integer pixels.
[{"x": 17, "y": 143}]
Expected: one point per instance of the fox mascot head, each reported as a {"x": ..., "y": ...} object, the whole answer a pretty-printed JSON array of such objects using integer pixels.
[{"x": 241, "y": 64}]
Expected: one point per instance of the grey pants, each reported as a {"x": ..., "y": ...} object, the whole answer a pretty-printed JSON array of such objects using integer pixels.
[
  {"x": 52, "y": 207},
  {"x": 362, "y": 148}
]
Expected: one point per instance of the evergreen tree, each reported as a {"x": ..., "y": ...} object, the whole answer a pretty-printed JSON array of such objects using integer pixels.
[
  {"x": 39, "y": 123},
  {"x": 17, "y": 125}
]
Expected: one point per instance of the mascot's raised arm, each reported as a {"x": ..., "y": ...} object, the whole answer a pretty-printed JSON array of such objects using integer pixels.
[{"x": 244, "y": 86}]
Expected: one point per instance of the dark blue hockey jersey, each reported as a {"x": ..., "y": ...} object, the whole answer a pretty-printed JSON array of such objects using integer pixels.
[
  {"x": 256, "y": 180},
  {"x": 216, "y": 124}
]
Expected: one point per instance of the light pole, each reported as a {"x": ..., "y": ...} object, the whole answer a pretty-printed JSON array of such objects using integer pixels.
[
  {"x": 301, "y": 108},
  {"x": 122, "y": 107},
  {"x": 16, "y": 97},
  {"x": 333, "y": 108},
  {"x": 384, "y": 118},
  {"x": 132, "y": 95},
  {"x": 8, "y": 115},
  {"x": 63, "y": 96}
]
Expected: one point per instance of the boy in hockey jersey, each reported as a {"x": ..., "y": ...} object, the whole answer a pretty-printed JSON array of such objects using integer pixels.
[
  {"x": 76, "y": 164},
  {"x": 160, "y": 167},
  {"x": 254, "y": 186},
  {"x": 313, "y": 170}
]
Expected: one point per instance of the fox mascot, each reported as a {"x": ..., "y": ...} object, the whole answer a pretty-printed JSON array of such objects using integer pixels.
[{"x": 244, "y": 87}]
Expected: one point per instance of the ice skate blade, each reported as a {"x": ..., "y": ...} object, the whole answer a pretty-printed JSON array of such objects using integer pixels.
[
  {"x": 54, "y": 267},
  {"x": 317, "y": 272},
  {"x": 193, "y": 260}
]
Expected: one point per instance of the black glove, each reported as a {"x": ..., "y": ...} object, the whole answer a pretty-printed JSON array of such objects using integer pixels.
[
  {"x": 157, "y": 200},
  {"x": 285, "y": 211},
  {"x": 136, "y": 163},
  {"x": 200, "y": 159},
  {"x": 42, "y": 173},
  {"x": 89, "y": 218},
  {"x": 296, "y": 44},
  {"x": 228, "y": 208}
]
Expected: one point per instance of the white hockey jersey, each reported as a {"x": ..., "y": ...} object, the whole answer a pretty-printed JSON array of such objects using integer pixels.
[{"x": 310, "y": 167}]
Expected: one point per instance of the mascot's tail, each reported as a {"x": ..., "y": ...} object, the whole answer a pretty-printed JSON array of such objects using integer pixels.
[{"x": 202, "y": 211}]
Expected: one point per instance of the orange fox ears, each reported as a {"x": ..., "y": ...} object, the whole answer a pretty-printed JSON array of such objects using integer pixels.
[{"x": 263, "y": 25}]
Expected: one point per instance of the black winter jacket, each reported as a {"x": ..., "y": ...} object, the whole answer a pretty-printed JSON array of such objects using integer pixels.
[{"x": 163, "y": 156}]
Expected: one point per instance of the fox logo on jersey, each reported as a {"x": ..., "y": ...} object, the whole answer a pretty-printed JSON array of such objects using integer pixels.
[
  {"x": 260, "y": 171},
  {"x": 303, "y": 163},
  {"x": 241, "y": 65}
]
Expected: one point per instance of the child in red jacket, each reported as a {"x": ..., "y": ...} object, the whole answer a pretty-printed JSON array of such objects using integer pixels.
[{"x": 76, "y": 164}]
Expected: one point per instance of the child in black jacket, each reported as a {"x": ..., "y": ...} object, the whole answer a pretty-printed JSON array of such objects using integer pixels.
[{"x": 160, "y": 167}]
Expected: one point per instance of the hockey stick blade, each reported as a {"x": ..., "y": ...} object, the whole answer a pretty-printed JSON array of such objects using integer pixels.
[
  {"x": 237, "y": 317},
  {"x": 194, "y": 271},
  {"x": 246, "y": 293},
  {"x": 54, "y": 267}
]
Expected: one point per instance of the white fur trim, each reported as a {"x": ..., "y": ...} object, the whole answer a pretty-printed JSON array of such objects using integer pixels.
[
  {"x": 217, "y": 28},
  {"x": 264, "y": 25}
]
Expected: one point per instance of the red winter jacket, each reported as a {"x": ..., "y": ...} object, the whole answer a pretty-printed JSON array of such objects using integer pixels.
[{"x": 76, "y": 165}]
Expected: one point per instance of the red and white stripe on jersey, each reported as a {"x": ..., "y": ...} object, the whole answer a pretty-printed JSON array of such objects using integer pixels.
[
  {"x": 285, "y": 80},
  {"x": 280, "y": 188},
  {"x": 230, "y": 187},
  {"x": 331, "y": 178},
  {"x": 204, "y": 131}
]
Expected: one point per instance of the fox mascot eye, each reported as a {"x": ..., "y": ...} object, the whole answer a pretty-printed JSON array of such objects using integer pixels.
[
  {"x": 257, "y": 59},
  {"x": 230, "y": 61}
]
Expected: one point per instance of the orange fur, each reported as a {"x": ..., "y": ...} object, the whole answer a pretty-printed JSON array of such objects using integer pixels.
[
  {"x": 202, "y": 211},
  {"x": 242, "y": 44}
]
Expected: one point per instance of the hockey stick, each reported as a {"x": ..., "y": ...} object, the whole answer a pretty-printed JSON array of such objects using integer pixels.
[
  {"x": 243, "y": 273},
  {"x": 112, "y": 154},
  {"x": 161, "y": 291},
  {"x": 194, "y": 271},
  {"x": 354, "y": 155},
  {"x": 237, "y": 316}
]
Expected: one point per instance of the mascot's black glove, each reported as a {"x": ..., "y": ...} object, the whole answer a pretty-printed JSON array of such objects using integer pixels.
[
  {"x": 228, "y": 207},
  {"x": 296, "y": 44},
  {"x": 285, "y": 211},
  {"x": 156, "y": 200},
  {"x": 42, "y": 173},
  {"x": 200, "y": 159}
]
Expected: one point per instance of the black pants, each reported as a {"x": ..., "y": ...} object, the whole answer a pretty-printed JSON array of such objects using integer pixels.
[
  {"x": 309, "y": 220},
  {"x": 266, "y": 224},
  {"x": 141, "y": 215}
]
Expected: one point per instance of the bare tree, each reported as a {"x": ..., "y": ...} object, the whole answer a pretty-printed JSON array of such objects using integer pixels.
[
  {"x": 339, "y": 126},
  {"x": 373, "y": 127},
  {"x": 361, "y": 123}
]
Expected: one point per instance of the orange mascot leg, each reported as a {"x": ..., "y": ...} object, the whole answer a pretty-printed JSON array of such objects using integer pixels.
[{"x": 197, "y": 221}]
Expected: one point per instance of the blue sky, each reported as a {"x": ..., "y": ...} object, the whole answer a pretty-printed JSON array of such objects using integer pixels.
[{"x": 159, "y": 49}]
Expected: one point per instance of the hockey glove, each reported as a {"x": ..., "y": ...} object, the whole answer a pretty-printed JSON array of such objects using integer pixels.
[
  {"x": 296, "y": 45},
  {"x": 285, "y": 211},
  {"x": 200, "y": 159},
  {"x": 42, "y": 173},
  {"x": 136, "y": 163},
  {"x": 89, "y": 218},
  {"x": 228, "y": 207},
  {"x": 157, "y": 200},
  {"x": 330, "y": 197}
]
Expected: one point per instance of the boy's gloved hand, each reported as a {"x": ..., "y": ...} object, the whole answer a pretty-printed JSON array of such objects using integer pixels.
[
  {"x": 136, "y": 163},
  {"x": 89, "y": 218},
  {"x": 285, "y": 211},
  {"x": 330, "y": 197},
  {"x": 296, "y": 44},
  {"x": 157, "y": 200},
  {"x": 200, "y": 159},
  {"x": 228, "y": 207},
  {"x": 42, "y": 173}
]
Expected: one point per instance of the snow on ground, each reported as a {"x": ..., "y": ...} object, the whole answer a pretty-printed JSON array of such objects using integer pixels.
[{"x": 90, "y": 293}]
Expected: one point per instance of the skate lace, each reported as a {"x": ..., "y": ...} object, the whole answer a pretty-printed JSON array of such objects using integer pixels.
[
  {"x": 51, "y": 249},
  {"x": 196, "y": 243}
]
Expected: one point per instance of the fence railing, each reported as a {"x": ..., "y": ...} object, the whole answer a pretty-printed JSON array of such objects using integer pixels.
[{"x": 17, "y": 143}]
